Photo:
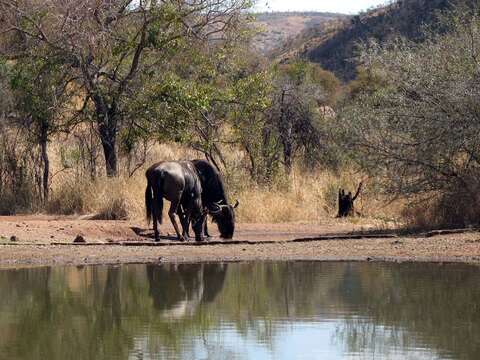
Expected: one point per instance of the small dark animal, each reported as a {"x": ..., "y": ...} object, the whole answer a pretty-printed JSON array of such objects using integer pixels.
[
  {"x": 346, "y": 202},
  {"x": 178, "y": 182},
  {"x": 215, "y": 199}
]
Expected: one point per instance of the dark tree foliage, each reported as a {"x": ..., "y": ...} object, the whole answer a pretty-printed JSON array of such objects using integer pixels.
[
  {"x": 112, "y": 49},
  {"x": 415, "y": 125}
]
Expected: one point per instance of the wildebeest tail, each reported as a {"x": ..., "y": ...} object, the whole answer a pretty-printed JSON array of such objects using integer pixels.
[
  {"x": 154, "y": 201},
  {"x": 148, "y": 201}
]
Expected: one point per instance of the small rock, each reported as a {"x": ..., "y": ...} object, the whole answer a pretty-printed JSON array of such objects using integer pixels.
[
  {"x": 369, "y": 258},
  {"x": 61, "y": 229},
  {"x": 18, "y": 225},
  {"x": 52, "y": 237},
  {"x": 397, "y": 242},
  {"x": 79, "y": 239},
  {"x": 110, "y": 241},
  {"x": 13, "y": 238}
]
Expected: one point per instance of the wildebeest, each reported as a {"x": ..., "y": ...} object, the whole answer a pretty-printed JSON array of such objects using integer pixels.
[
  {"x": 214, "y": 198},
  {"x": 178, "y": 290},
  {"x": 178, "y": 182}
]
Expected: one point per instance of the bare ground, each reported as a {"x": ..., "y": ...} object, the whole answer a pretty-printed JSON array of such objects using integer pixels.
[{"x": 44, "y": 240}]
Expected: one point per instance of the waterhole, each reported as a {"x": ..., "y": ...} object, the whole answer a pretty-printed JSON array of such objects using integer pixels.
[{"x": 285, "y": 310}]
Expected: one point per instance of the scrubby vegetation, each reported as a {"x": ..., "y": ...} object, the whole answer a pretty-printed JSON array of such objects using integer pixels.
[
  {"x": 86, "y": 105},
  {"x": 418, "y": 130},
  {"x": 335, "y": 47}
]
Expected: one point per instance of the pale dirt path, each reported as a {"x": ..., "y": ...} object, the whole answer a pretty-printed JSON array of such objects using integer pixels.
[{"x": 34, "y": 237}]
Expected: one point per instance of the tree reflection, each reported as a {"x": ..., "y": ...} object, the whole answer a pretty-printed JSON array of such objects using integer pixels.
[
  {"x": 414, "y": 306},
  {"x": 168, "y": 311}
]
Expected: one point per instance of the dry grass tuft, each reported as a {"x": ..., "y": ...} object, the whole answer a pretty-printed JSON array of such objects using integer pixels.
[
  {"x": 454, "y": 210},
  {"x": 306, "y": 197},
  {"x": 113, "y": 209},
  {"x": 68, "y": 198},
  {"x": 118, "y": 199},
  {"x": 106, "y": 199}
]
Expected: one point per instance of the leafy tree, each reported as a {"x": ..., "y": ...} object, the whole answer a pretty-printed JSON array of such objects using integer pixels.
[
  {"x": 251, "y": 124},
  {"x": 281, "y": 116},
  {"x": 419, "y": 131},
  {"x": 368, "y": 80},
  {"x": 300, "y": 90},
  {"x": 112, "y": 49},
  {"x": 40, "y": 97},
  {"x": 6, "y": 98}
]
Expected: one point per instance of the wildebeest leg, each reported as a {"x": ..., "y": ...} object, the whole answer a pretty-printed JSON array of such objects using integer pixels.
[
  {"x": 185, "y": 221},
  {"x": 171, "y": 213},
  {"x": 155, "y": 213},
  {"x": 198, "y": 222},
  {"x": 205, "y": 228}
]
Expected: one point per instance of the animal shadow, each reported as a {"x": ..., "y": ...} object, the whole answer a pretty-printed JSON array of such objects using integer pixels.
[{"x": 148, "y": 233}]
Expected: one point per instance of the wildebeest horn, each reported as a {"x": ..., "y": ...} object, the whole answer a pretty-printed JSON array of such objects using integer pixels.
[
  {"x": 236, "y": 204},
  {"x": 216, "y": 210}
]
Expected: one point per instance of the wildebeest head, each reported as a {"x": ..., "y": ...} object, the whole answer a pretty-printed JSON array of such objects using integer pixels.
[{"x": 224, "y": 216}]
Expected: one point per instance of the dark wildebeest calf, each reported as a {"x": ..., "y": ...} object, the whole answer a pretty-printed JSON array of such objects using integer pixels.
[
  {"x": 214, "y": 199},
  {"x": 177, "y": 182}
]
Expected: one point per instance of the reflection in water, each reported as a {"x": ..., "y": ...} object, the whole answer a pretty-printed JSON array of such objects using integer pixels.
[
  {"x": 254, "y": 310},
  {"x": 178, "y": 290}
]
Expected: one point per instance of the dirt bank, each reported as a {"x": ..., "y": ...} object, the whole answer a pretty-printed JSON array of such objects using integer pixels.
[{"x": 49, "y": 241}]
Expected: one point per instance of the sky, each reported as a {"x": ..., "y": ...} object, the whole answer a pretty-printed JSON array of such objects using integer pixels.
[{"x": 339, "y": 6}]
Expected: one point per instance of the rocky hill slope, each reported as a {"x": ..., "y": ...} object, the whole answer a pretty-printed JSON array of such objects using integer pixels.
[
  {"x": 277, "y": 28},
  {"x": 334, "y": 46}
]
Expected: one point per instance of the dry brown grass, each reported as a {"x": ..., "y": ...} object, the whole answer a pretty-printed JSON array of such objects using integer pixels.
[
  {"x": 106, "y": 199},
  {"x": 453, "y": 210},
  {"x": 306, "y": 197},
  {"x": 303, "y": 197}
]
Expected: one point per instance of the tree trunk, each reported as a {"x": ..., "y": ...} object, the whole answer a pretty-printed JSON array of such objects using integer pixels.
[
  {"x": 107, "y": 128},
  {"x": 286, "y": 134},
  {"x": 346, "y": 202},
  {"x": 45, "y": 160},
  {"x": 108, "y": 144},
  {"x": 253, "y": 166},
  {"x": 287, "y": 156}
]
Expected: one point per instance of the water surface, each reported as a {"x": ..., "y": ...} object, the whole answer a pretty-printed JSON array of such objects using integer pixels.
[{"x": 303, "y": 310}]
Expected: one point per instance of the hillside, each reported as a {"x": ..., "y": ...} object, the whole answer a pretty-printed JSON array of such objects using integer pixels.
[
  {"x": 335, "y": 47},
  {"x": 276, "y": 28}
]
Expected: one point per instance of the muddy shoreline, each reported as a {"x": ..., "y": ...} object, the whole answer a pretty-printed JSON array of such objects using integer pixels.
[{"x": 48, "y": 241}]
